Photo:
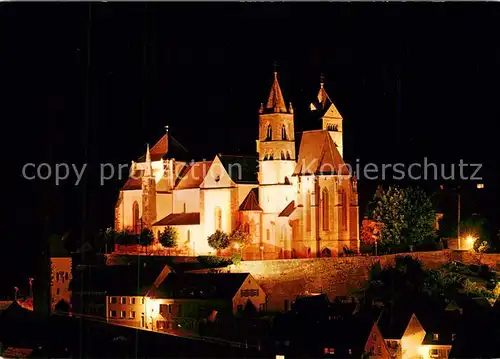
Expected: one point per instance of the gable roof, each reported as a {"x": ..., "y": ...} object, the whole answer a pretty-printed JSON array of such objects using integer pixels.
[
  {"x": 241, "y": 169},
  {"x": 393, "y": 323},
  {"x": 201, "y": 286},
  {"x": 179, "y": 219},
  {"x": 288, "y": 210},
  {"x": 318, "y": 154},
  {"x": 250, "y": 202},
  {"x": 193, "y": 174}
]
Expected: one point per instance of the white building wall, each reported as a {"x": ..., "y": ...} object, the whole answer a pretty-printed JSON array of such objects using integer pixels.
[
  {"x": 190, "y": 197},
  {"x": 129, "y": 197}
]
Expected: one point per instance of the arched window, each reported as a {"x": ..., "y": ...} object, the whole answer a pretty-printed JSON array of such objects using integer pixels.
[
  {"x": 283, "y": 132},
  {"x": 282, "y": 155},
  {"x": 136, "y": 225},
  {"x": 344, "y": 210},
  {"x": 271, "y": 156},
  {"x": 288, "y": 157},
  {"x": 308, "y": 211},
  {"x": 325, "y": 210},
  {"x": 326, "y": 252},
  {"x": 218, "y": 218},
  {"x": 269, "y": 135}
]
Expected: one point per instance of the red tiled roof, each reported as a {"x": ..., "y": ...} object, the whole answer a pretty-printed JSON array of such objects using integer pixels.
[
  {"x": 134, "y": 181},
  {"x": 288, "y": 210},
  {"x": 250, "y": 202},
  {"x": 276, "y": 102},
  {"x": 193, "y": 175},
  {"x": 12, "y": 352},
  {"x": 179, "y": 219},
  {"x": 160, "y": 149},
  {"x": 318, "y": 154}
]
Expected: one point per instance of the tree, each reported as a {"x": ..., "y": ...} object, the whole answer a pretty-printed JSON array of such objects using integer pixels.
[
  {"x": 218, "y": 240},
  {"x": 126, "y": 237},
  {"x": 406, "y": 215},
  {"x": 239, "y": 237},
  {"x": 146, "y": 238},
  {"x": 168, "y": 238},
  {"x": 370, "y": 231}
]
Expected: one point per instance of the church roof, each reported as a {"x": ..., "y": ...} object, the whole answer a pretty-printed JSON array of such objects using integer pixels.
[
  {"x": 250, "y": 202},
  {"x": 318, "y": 154},
  {"x": 179, "y": 219},
  {"x": 193, "y": 175},
  {"x": 276, "y": 102},
  {"x": 241, "y": 169},
  {"x": 134, "y": 181},
  {"x": 160, "y": 149},
  {"x": 288, "y": 210},
  {"x": 323, "y": 104}
]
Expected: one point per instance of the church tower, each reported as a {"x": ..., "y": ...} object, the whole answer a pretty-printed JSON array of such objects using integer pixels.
[
  {"x": 276, "y": 149},
  {"x": 331, "y": 118}
]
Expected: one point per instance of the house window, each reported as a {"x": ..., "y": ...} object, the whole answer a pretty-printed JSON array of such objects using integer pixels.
[
  {"x": 379, "y": 349},
  {"x": 283, "y": 155},
  {"x": 435, "y": 336},
  {"x": 249, "y": 293},
  {"x": 350, "y": 351},
  {"x": 434, "y": 353},
  {"x": 58, "y": 291},
  {"x": 283, "y": 132},
  {"x": 271, "y": 156},
  {"x": 113, "y": 300},
  {"x": 132, "y": 300},
  {"x": 135, "y": 218},
  {"x": 57, "y": 276},
  {"x": 142, "y": 301},
  {"x": 124, "y": 300},
  {"x": 374, "y": 336},
  {"x": 132, "y": 314},
  {"x": 269, "y": 135},
  {"x": 170, "y": 308},
  {"x": 326, "y": 210},
  {"x": 66, "y": 275},
  {"x": 123, "y": 314},
  {"x": 112, "y": 313},
  {"x": 218, "y": 218},
  {"x": 163, "y": 308}
]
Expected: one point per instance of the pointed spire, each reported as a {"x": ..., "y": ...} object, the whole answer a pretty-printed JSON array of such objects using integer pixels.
[
  {"x": 276, "y": 102},
  {"x": 261, "y": 109},
  {"x": 290, "y": 108},
  {"x": 148, "y": 171},
  {"x": 148, "y": 155}
]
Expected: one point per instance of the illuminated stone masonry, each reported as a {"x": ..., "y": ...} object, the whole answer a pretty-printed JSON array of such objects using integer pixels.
[{"x": 293, "y": 205}]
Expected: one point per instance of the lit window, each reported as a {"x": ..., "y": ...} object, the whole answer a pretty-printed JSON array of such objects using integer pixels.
[
  {"x": 112, "y": 313},
  {"x": 434, "y": 353},
  {"x": 123, "y": 314},
  {"x": 132, "y": 300},
  {"x": 142, "y": 301},
  {"x": 112, "y": 300},
  {"x": 132, "y": 314},
  {"x": 480, "y": 185},
  {"x": 436, "y": 336},
  {"x": 124, "y": 300}
]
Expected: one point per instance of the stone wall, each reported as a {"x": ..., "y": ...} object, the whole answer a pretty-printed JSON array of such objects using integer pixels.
[{"x": 337, "y": 276}]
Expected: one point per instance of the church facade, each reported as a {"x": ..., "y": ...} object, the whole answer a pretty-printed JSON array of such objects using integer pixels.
[{"x": 293, "y": 203}]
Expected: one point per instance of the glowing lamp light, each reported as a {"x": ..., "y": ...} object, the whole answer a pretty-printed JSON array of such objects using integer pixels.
[
  {"x": 480, "y": 185},
  {"x": 236, "y": 246}
]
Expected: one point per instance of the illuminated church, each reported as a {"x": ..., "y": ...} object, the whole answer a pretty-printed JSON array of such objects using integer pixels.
[{"x": 293, "y": 203}]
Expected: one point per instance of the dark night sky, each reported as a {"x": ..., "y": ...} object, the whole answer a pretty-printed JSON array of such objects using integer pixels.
[{"x": 204, "y": 69}]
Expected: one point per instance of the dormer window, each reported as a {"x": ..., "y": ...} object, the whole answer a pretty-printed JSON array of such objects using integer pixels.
[{"x": 435, "y": 336}]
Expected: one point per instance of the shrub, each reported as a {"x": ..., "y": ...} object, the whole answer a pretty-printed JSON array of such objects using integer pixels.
[
  {"x": 213, "y": 262},
  {"x": 236, "y": 258}
]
